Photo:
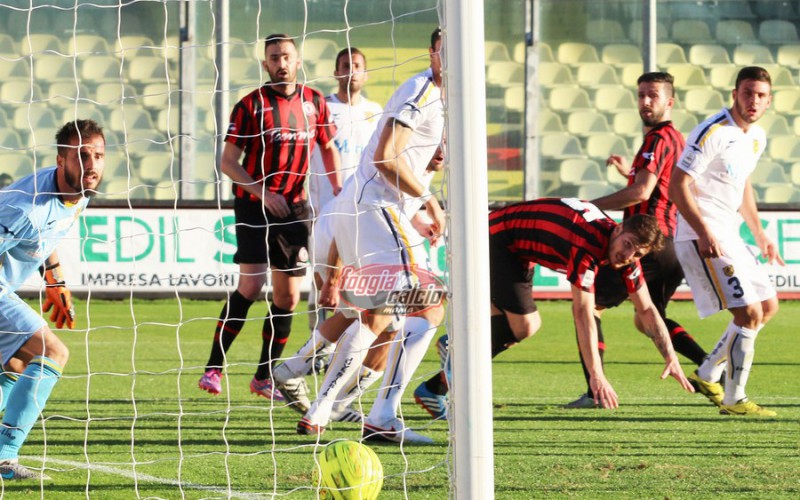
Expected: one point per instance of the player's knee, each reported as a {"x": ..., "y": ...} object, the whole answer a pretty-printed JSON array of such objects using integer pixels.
[
  {"x": 434, "y": 315},
  {"x": 770, "y": 309},
  {"x": 286, "y": 301},
  {"x": 527, "y": 327},
  {"x": 751, "y": 316},
  {"x": 58, "y": 352}
]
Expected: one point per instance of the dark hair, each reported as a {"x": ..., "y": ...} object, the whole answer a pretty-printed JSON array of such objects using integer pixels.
[
  {"x": 435, "y": 36},
  {"x": 659, "y": 77},
  {"x": 351, "y": 52},
  {"x": 756, "y": 73},
  {"x": 83, "y": 129},
  {"x": 646, "y": 231},
  {"x": 277, "y": 38}
]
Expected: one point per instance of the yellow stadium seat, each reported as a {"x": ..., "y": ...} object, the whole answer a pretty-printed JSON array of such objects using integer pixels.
[
  {"x": 691, "y": 31},
  {"x": 777, "y": 31},
  {"x": 749, "y": 54},
  {"x": 735, "y": 32},
  {"x": 708, "y": 55},
  {"x": 575, "y": 54},
  {"x": 621, "y": 54}
]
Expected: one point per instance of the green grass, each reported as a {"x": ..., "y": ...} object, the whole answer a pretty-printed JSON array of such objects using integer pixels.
[{"x": 127, "y": 420}]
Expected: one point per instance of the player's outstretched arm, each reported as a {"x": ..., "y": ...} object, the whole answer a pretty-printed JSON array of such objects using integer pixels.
[
  {"x": 58, "y": 297},
  {"x": 655, "y": 328},
  {"x": 333, "y": 165},
  {"x": 583, "y": 311}
]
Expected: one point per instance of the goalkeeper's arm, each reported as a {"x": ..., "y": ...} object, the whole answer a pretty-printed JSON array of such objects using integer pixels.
[{"x": 58, "y": 297}]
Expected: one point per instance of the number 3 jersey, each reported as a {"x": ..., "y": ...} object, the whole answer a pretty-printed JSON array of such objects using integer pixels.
[
  {"x": 720, "y": 157},
  {"x": 565, "y": 235}
]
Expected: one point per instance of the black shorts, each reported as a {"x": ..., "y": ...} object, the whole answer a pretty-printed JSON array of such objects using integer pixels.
[
  {"x": 282, "y": 243},
  {"x": 662, "y": 273},
  {"x": 511, "y": 281}
]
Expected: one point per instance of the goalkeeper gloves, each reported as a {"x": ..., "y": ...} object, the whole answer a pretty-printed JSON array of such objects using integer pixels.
[{"x": 59, "y": 299}]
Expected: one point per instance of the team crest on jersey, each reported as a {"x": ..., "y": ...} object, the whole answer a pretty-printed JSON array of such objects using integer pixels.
[
  {"x": 302, "y": 256},
  {"x": 309, "y": 109},
  {"x": 647, "y": 156},
  {"x": 728, "y": 271}
]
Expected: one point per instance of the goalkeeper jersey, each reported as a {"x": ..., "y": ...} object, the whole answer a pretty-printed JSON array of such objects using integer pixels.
[{"x": 33, "y": 220}]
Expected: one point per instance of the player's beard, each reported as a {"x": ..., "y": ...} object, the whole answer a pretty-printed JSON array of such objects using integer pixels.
[
  {"x": 655, "y": 118},
  {"x": 76, "y": 183}
]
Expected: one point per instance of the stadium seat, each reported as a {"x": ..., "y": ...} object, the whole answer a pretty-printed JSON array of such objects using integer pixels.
[
  {"x": 635, "y": 30},
  {"x": 154, "y": 168},
  {"x": 691, "y": 32},
  {"x": 668, "y": 54},
  {"x": 734, "y": 10},
  {"x": 780, "y": 76},
  {"x": 709, "y": 55},
  {"x": 505, "y": 74},
  {"x": 794, "y": 173},
  {"x": 784, "y": 148},
  {"x": 553, "y": 74},
  {"x": 560, "y": 146},
  {"x": 64, "y": 94},
  {"x": 684, "y": 121},
  {"x": 168, "y": 121},
  {"x": 495, "y": 51},
  {"x": 85, "y": 43},
  {"x": 787, "y": 102},
  {"x": 111, "y": 95},
  {"x": 15, "y": 92},
  {"x": 316, "y": 49},
  {"x": 8, "y": 47},
  {"x": 615, "y": 99},
  {"x": 597, "y": 75},
  {"x": 11, "y": 140},
  {"x": 129, "y": 118},
  {"x": 132, "y": 46},
  {"x": 688, "y": 76},
  {"x": 777, "y": 32},
  {"x": 520, "y": 49},
  {"x": 39, "y": 43},
  {"x": 621, "y": 54},
  {"x": 569, "y": 99},
  {"x": 514, "y": 99},
  {"x": 238, "y": 48},
  {"x": 42, "y": 140},
  {"x": 549, "y": 122},
  {"x": 246, "y": 72},
  {"x": 122, "y": 189},
  {"x": 735, "y": 32},
  {"x": 49, "y": 68},
  {"x": 777, "y": 9},
  {"x": 615, "y": 178},
  {"x": 116, "y": 165},
  {"x": 586, "y": 123},
  {"x": 575, "y": 54},
  {"x": 629, "y": 75},
  {"x": 100, "y": 69},
  {"x": 604, "y": 31},
  {"x": 12, "y": 69},
  {"x": 580, "y": 171},
  {"x": 723, "y": 78},
  {"x": 15, "y": 164},
  {"x": 703, "y": 102},
  {"x": 159, "y": 96},
  {"x": 601, "y": 146},
  {"x": 85, "y": 109},
  {"x": 145, "y": 70},
  {"x": 34, "y": 116},
  {"x": 768, "y": 173},
  {"x": 774, "y": 124},
  {"x": 785, "y": 193},
  {"x": 748, "y": 54},
  {"x": 796, "y": 126},
  {"x": 627, "y": 123},
  {"x": 789, "y": 55},
  {"x": 593, "y": 190}
]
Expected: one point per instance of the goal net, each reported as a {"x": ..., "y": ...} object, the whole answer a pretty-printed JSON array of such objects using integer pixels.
[{"x": 151, "y": 261}]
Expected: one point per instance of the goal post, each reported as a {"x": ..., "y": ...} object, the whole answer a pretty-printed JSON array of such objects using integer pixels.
[{"x": 471, "y": 423}]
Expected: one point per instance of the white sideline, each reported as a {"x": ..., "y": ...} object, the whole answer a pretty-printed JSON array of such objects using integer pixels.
[{"x": 146, "y": 478}]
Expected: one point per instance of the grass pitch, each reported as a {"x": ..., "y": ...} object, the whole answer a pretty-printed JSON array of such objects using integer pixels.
[{"x": 127, "y": 420}]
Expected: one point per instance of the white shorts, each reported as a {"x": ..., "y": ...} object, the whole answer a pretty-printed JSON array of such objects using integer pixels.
[{"x": 736, "y": 279}]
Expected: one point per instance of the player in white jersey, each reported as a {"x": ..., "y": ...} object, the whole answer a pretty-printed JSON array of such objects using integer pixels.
[
  {"x": 373, "y": 232},
  {"x": 36, "y": 213},
  {"x": 711, "y": 188}
]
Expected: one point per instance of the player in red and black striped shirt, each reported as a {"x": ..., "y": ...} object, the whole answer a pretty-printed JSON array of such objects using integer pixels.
[
  {"x": 276, "y": 127},
  {"x": 576, "y": 238},
  {"x": 646, "y": 193}
]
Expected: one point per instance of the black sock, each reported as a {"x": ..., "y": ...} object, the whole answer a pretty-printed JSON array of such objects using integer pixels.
[
  {"x": 684, "y": 343},
  {"x": 436, "y": 385},
  {"x": 231, "y": 321},
  {"x": 601, "y": 348},
  {"x": 277, "y": 327},
  {"x": 501, "y": 334}
]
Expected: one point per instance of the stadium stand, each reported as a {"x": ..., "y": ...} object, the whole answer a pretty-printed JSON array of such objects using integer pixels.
[{"x": 691, "y": 31}]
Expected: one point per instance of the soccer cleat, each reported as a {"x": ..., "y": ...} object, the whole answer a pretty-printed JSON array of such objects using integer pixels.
[
  {"x": 306, "y": 428},
  {"x": 346, "y": 414},
  {"x": 11, "y": 470},
  {"x": 394, "y": 432},
  {"x": 441, "y": 348},
  {"x": 745, "y": 407},
  {"x": 211, "y": 381},
  {"x": 293, "y": 389},
  {"x": 583, "y": 402},
  {"x": 265, "y": 388},
  {"x": 435, "y": 404},
  {"x": 712, "y": 390}
]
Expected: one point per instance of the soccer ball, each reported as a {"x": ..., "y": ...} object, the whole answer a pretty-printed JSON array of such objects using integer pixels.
[{"x": 349, "y": 471}]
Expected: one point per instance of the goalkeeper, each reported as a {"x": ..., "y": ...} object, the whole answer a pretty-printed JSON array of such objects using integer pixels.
[{"x": 36, "y": 213}]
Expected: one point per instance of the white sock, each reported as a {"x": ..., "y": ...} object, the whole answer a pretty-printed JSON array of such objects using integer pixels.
[
  {"x": 350, "y": 353},
  {"x": 741, "y": 349},
  {"x": 712, "y": 367},
  {"x": 356, "y": 386},
  {"x": 405, "y": 355},
  {"x": 302, "y": 362}
]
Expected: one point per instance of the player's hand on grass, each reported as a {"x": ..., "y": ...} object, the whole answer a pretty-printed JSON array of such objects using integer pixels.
[
  {"x": 673, "y": 369},
  {"x": 604, "y": 394},
  {"x": 58, "y": 299},
  {"x": 276, "y": 205}
]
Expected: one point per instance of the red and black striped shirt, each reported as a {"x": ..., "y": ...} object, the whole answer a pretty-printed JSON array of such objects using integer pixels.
[
  {"x": 277, "y": 134},
  {"x": 661, "y": 149},
  {"x": 566, "y": 235}
]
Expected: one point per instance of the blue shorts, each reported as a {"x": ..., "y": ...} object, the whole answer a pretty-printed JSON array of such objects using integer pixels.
[{"x": 18, "y": 323}]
